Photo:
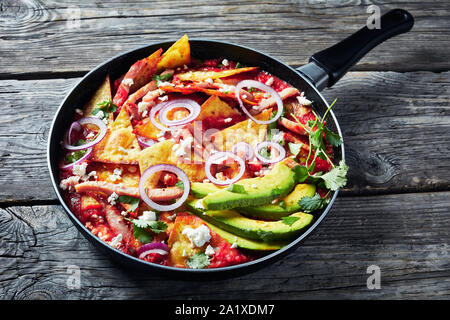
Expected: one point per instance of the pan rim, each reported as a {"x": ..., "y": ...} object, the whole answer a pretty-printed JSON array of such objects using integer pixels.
[{"x": 245, "y": 265}]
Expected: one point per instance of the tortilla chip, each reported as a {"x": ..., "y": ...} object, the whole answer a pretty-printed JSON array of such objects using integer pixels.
[
  {"x": 146, "y": 71},
  {"x": 247, "y": 131},
  {"x": 129, "y": 176},
  {"x": 161, "y": 152},
  {"x": 120, "y": 144},
  {"x": 177, "y": 55},
  {"x": 147, "y": 130},
  {"x": 215, "y": 107},
  {"x": 87, "y": 202},
  {"x": 103, "y": 93},
  {"x": 201, "y": 76}
]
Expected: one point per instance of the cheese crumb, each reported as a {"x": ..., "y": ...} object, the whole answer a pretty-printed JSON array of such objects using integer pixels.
[
  {"x": 226, "y": 120},
  {"x": 199, "y": 236},
  {"x": 209, "y": 80},
  {"x": 128, "y": 82},
  {"x": 79, "y": 169},
  {"x": 116, "y": 241},
  {"x": 67, "y": 184},
  {"x": 112, "y": 198},
  {"x": 116, "y": 175},
  {"x": 209, "y": 250},
  {"x": 163, "y": 98},
  {"x": 148, "y": 216},
  {"x": 199, "y": 204},
  {"x": 269, "y": 81},
  {"x": 225, "y": 62},
  {"x": 303, "y": 101}
]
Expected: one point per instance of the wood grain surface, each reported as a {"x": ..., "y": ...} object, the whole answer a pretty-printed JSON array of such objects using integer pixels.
[{"x": 393, "y": 109}]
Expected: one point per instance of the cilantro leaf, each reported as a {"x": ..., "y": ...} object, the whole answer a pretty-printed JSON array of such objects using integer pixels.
[
  {"x": 153, "y": 226},
  {"x": 162, "y": 78},
  {"x": 236, "y": 188},
  {"x": 336, "y": 177},
  {"x": 301, "y": 173},
  {"x": 141, "y": 234},
  {"x": 309, "y": 204},
  {"x": 180, "y": 185},
  {"x": 129, "y": 200},
  {"x": 333, "y": 138},
  {"x": 107, "y": 106},
  {"x": 289, "y": 220},
  {"x": 239, "y": 65},
  {"x": 198, "y": 261},
  {"x": 74, "y": 156}
]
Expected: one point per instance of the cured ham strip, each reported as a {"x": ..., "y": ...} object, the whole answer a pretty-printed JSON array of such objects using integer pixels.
[
  {"x": 156, "y": 194},
  {"x": 142, "y": 92},
  {"x": 293, "y": 126},
  {"x": 284, "y": 94}
]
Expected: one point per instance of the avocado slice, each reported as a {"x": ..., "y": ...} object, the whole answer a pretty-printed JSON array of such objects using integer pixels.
[
  {"x": 277, "y": 183},
  {"x": 244, "y": 243},
  {"x": 201, "y": 190},
  {"x": 285, "y": 207},
  {"x": 237, "y": 224}
]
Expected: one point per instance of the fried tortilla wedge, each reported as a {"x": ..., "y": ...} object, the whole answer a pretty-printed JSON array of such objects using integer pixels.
[
  {"x": 177, "y": 55},
  {"x": 161, "y": 152},
  {"x": 247, "y": 131},
  {"x": 103, "y": 93},
  {"x": 215, "y": 107},
  {"x": 201, "y": 76},
  {"x": 137, "y": 76},
  {"x": 120, "y": 145}
]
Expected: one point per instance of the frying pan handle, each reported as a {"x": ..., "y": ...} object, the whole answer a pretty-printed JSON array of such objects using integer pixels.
[{"x": 326, "y": 67}]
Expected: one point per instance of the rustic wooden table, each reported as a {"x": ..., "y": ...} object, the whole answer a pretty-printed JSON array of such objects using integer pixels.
[{"x": 393, "y": 108}]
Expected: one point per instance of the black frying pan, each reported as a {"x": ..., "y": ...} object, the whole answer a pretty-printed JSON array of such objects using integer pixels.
[{"x": 324, "y": 70}]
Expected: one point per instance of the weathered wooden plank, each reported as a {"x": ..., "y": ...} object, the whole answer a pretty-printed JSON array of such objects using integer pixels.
[
  {"x": 395, "y": 127},
  {"x": 52, "y": 37},
  {"x": 405, "y": 235}
]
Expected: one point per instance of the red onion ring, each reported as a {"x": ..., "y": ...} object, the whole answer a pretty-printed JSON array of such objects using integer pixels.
[
  {"x": 220, "y": 154},
  {"x": 74, "y": 126},
  {"x": 83, "y": 158},
  {"x": 145, "y": 142},
  {"x": 153, "y": 112},
  {"x": 164, "y": 167},
  {"x": 193, "y": 107},
  {"x": 281, "y": 151},
  {"x": 243, "y": 146},
  {"x": 89, "y": 120},
  {"x": 263, "y": 87},
  {"x": 154, "y": 247}
]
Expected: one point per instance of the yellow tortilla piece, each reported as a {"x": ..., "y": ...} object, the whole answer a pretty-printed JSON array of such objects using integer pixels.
[
  {"x": 203, "y": 75},
  {"x": 129, "y": 176},
  {"x": 145, "y": 68},
  {"x": 177, "y": 55},
  {"x": 247, "y": 131},
  {"x": 215, "y": 107},
  {"x": 103, "y": 93},
  {"x": 120, "y": 144},
  {"x": 147, "y": 130},
  {"x": 161, "y": 152},
  {"x": 88, "y": 201}
]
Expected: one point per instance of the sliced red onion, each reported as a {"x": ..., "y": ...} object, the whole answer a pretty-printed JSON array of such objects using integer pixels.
[
  {"x": 193, "y": 107},
  {"x": 164, "y": 167},
  {"x": 83, "y": 158},
  {"x": 225, "y": 155},
  {"x": 74, "y": 126},
  {"x": 263, "y": 87},
  {"x": 154, "y": 247},
  {"x": 272, "y": 145},
  {"x": 243, "y": 147},
  {"x": 153, "y": 112},
  {"x": 145, "y": 142},
  {"x": 89, "y": 120}
]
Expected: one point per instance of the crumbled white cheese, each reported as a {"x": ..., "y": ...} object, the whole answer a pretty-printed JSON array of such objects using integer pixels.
[
  {"x": 116, "y": 175},
  {"x": 184, "y": 147},
  {"x": 89, "y": 175},
  {"x": 206, "y": 181},
  {"x": 69, "y": 182},
  {"x": 165, "y": 84},
  {"x": 269, "y": 81},
  {"x": 185, "y": 67},
  {"x": 255, "y": 107},
  {"x": 303, "y": 101},
  {"x": 199, "y": 204},
  {"x": 164, "y": 98},
  {"x": 226, "y": 120},
  {"x": 254, "y": 186},
  {"x": 172, "y": 217},
  {"x": 124, "y": 213},
  {"x": 234, "y": 245},
  {"x": 116, "y": 241},
  {"x": 278, "y": 137},
  {"x": 209, "y": 80},
  {"x": 90, "y": 135},
  {"x": 100, "y": 114},
  {"x": 148, "y": 216},
  {"x": 79, "y": 111},
  {"x": 128, "y": 82},
  {"x": 220, "y": 176},
  {"x": 225, "y": 62},
  {"x": 226, "y": 88},
  {"x": 209, "y": 250},
  {"x": 79, "y": 169},
  {"x": 199, "y": 236},
  {"x": 244, "y": 96},
  {"x": 112, "y": 198},
  {"x": 184, "y": 253}
]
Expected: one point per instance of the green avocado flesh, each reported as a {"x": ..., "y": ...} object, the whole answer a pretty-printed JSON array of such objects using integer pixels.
[
  {"x": 258, "y": 191},
  {"x": 201, "y": 190},
  {"x": 284, "y": 207},
  {"x": 237, "y": 224},
  {"x": 244, "y": 243}
]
